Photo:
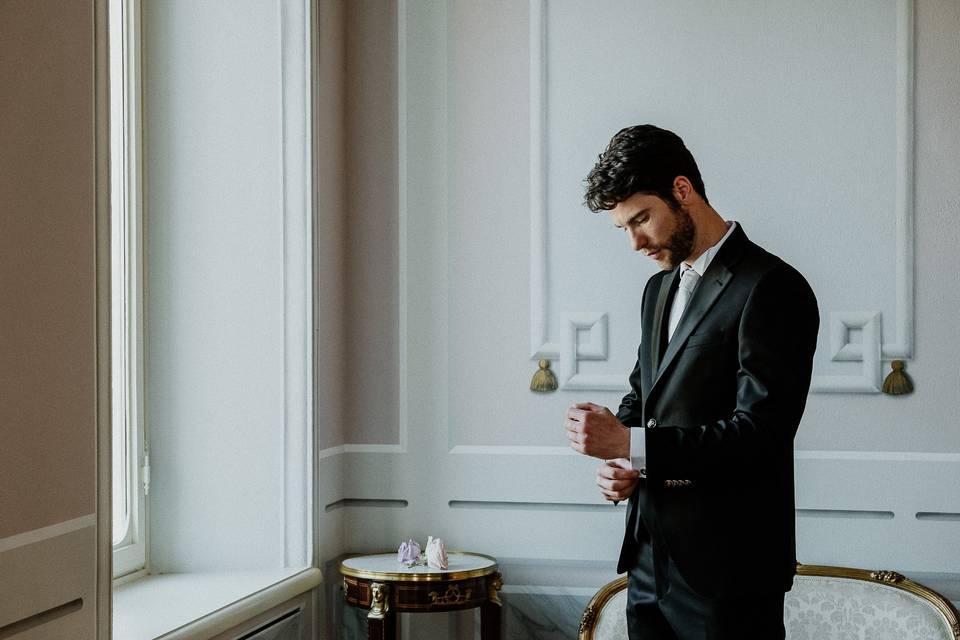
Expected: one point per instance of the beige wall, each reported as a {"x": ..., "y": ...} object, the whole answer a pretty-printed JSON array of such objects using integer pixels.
[
  {"x": 371, "y": 224},
  {"x": 357, "y": 251},
  {"x": 47, "y": 279},
  {"x": 50, "y": 175}
]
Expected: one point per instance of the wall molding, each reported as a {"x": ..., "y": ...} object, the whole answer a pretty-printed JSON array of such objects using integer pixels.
[
  {"x": 597, "y": 347},
  {"x": 535, "y": 505},
  {"x": 860, "y": 514},
  {"x": 296, "y": 176},
  {"x": 877, "y": 456},
  {"x": 510, "y": 450},
  {"x": 867, "y": 352},
  {"x": 539, "y": 269},
  {"x": 905, "y": 257},
  {"x": 367, "y": 503},
  {"x": 800, "y": 454},
  {"x": 360, "y": 448},
  {"x": 841, "y": 323},
  {"x": 869, "y": 381},
  {"x": 403, "y": 223},
  {"x": 403, "y": 253},
  {"x": 904, "y": 269},
  {"x": 544, "y": 590},
  {"x": 45, "y": 533}
]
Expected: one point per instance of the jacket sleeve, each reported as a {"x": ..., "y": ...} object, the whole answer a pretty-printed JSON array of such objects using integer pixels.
[
  {"x": 630, "y": 412},
  {"x": 777, "y": 337}
]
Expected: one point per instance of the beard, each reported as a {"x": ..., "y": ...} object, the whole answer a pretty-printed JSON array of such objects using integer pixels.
[{"x": 680, "y": 243}]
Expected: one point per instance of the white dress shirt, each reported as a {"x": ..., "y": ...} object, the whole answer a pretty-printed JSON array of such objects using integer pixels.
[{"x": 638, "y": 447}]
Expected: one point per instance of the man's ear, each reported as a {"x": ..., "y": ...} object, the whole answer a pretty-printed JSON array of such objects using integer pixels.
[{"x": 682, "y": 189}]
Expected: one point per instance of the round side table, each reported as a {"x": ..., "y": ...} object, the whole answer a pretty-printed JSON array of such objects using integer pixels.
[{"x": 385, "y": 587}]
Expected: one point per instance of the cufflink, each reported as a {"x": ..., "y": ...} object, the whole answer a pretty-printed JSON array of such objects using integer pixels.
[{"x": 652, "y": 423}]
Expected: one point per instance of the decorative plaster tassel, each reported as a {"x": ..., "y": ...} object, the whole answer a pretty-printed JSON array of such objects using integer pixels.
[
  {"x": 544, "y": 380},
  {"x": 898, "y": 382}
]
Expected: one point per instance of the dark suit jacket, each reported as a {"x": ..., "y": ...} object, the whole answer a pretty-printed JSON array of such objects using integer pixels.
[{"x": 719, "y": 407}]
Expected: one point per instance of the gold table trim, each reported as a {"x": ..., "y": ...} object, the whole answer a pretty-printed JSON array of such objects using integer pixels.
[{"x": 389, "y": 576}]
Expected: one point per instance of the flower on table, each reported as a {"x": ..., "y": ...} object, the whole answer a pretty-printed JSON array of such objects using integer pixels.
[
  {"x": 436, "y": 553},
  {"x": 409, "y": 552}
]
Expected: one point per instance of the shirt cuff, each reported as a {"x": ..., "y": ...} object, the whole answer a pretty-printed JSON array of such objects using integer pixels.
[{"x": 638, "y": 448}]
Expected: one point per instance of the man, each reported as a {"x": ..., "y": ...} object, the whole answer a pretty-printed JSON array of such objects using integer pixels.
[{"x": 721, "y": 380}]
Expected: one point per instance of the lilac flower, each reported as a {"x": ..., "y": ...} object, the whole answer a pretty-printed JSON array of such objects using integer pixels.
[{"x": 409, "y": 552}]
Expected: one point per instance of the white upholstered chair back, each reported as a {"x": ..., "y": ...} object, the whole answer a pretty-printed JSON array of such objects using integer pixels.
[{"x": 826, "y": 603}]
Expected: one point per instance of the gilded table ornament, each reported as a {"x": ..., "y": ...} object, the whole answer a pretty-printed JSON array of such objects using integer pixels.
[
  {"x": 379, "y": 601},
  {"x": 897, "y": 383},
  {"x": 383, "y": 587},
  {"x": 452, "y": 596},
  {"x": 544, "y": 380},
  {"x": 493, "y": 588}
]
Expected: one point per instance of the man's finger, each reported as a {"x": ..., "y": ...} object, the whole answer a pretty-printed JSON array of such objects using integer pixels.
[
  {"x": 576, "y": 412},
  {"x": 577, "y": 425},
  {"x": 616, "y": 485},
  {"x": 616, "y": 473},
  {"x": 615, "y": 496},
  {"x": 587, "y": 406},
  {"x": 575, "y": 429}
]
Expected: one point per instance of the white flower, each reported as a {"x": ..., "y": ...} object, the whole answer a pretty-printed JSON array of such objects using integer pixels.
[{"x": 436, "y": 553}]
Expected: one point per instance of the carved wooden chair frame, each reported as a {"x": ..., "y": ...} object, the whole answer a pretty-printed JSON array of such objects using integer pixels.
[{"x": 888, "y": 578}]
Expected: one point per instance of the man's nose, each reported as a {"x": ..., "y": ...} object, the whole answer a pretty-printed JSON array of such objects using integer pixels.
[{"x": 637, "y": 239}]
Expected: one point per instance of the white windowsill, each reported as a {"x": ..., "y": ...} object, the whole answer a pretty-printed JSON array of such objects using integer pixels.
[{"x": 178, "y": 606}]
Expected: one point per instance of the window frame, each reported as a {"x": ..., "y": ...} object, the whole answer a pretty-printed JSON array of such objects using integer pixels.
[{"x": 127, "y": 278}]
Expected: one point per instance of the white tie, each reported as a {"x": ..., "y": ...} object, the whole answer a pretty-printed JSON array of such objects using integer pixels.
[{"x": 688, "y": 282}]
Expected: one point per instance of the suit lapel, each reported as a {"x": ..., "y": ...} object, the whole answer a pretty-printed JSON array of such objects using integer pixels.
[
  {"x": 712, "y": 284},
  {"x": 658, "y": 337}
]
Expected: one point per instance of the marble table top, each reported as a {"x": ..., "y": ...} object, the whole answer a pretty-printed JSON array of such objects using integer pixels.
[{"x": 384, "y": 566}]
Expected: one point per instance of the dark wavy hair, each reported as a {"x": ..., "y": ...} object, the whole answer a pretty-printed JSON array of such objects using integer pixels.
[{"x": 640, "y": 159}]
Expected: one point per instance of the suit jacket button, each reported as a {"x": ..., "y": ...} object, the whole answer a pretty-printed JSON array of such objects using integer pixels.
[{"x": 652, "y": 423}]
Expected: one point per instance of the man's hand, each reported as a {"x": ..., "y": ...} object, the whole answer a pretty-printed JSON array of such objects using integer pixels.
[
  {"x": 594, "y": 431},
  {"x": 617, "y": 479}
]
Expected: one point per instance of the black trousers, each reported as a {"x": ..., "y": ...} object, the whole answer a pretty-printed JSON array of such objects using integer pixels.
[{"x": 683, "y": 614}]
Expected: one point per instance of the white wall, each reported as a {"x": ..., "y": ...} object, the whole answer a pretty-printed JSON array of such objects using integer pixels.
[
  {"x": 228, "y": 331},
  {"x": 479, "y": 440}
]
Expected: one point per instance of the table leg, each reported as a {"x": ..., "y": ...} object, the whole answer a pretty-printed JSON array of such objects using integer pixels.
[
  {"x": 490, "y": 620},
  {"x": 384, "y": 628},
  {"x": 491, "y": 611},
  {"x": 382, "y": 620}
]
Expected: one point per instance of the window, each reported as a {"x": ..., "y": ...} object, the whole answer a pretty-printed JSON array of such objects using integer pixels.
[{"x": 130, "y": 458}]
